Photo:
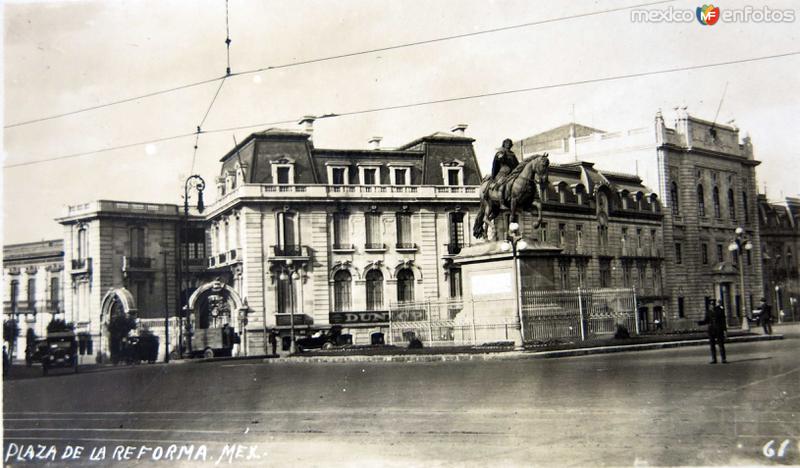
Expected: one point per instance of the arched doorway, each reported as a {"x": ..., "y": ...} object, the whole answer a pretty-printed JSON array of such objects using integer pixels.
[
  {"x": 216, "y": 314},
  {"x": 117, "y": 304}
]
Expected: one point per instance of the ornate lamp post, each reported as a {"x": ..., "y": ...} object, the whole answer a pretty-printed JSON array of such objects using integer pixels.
[
  {"x": 192, "y": 182},
  {"x": 291, "y": 273},
  {"x": 515, "y": 243},
  {"x": 739, "y": 243}
]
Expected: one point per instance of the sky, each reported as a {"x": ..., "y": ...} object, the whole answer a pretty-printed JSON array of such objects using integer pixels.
[{"x": 67, "y": 55}]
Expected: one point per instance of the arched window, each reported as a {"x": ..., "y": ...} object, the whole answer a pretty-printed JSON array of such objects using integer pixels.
[
  {"x": 673, "y": 198},
  {"x": 731, "y": 204},
  {"x": 715, "y": 196},
  {"x": 341, "y": 290},
  {"x": 701, "y": 201},
  {"x": 746, "y": 210},
  {"x": 82, "y": 249},
  {"x": 405, "y": 285},
  {"x": 374, "y": 289}
]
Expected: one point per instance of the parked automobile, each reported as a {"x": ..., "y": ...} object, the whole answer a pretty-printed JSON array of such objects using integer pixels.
[
  {"x": 36, "y": 352},
  {"x": 323, "y": 339},
  {"x": 61, "y": 352}
]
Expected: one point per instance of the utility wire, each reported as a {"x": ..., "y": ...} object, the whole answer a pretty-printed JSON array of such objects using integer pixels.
[
  {"x": 329, "y": 58},
  {"x": 200, "y": 127},
  {"x": 439, "y": 101}
]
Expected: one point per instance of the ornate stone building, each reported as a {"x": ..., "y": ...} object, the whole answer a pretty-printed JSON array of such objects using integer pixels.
[
  {"x": 705, "y": 177},
  {"x": 33, "y": 287},
  {"x": 780, "y": 239}
]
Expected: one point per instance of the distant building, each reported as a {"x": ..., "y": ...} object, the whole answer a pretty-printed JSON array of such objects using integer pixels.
[
  {"x": 33, "y": 287},
  {"x": 705, "y": 178},
  {"x": 780, "y": 239}
]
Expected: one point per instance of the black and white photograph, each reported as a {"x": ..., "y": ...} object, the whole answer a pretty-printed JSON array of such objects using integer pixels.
[{"x": 372, "y": 233}]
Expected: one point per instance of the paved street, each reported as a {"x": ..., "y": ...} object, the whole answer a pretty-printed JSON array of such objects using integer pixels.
[{"x": 664, "y": 407}]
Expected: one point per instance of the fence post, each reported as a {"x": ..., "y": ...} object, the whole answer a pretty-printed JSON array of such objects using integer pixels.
[
  {"x": 430, "y": 329},
  {"x": 391, "y": 332},
  {"x": 580, "y": 309},
  {"x": 635, "y": 311},
  {"x": 474, "y": 333}
]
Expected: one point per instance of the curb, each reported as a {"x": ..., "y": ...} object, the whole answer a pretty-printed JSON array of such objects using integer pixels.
[{"x": 510, "y": 355}]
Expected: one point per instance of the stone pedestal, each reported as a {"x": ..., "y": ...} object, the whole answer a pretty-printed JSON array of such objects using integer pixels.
[{"x": 488, "y": 288}]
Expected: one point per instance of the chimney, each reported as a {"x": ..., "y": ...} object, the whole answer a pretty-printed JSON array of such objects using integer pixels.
[
  {"x": 375, "y": 142},
  {"x": 308, "y": 125},
  {"x": 459, "y": 129}
]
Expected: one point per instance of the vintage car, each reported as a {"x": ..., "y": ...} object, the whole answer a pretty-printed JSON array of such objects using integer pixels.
[
  {"x": 36, "y": 352},
  {"x": 61, "y": 352},
  {"x": 323, "y": 339}
]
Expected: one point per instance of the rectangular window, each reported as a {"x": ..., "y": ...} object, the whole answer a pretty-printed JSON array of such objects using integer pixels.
[
  {"x": 605, "y": 273},
  {"x": 14, "y": 295},
  {"x": 288, "y": 234},
  {"x": 638, "y": 238},
  {"x": 563, "y": 271},
  {"x": 283, "y": 175},
  {"x": 581, "y": 274},
  {"x": 626, "y": 275},
  {"x": 653, "y": 242},
  {"x": 83, "y": 244},
  {"x": 624, "y": 241},
  {"x": 452, "y": 176},
  {"x": 579, "y": 236},
  {"x": 338, "y": 174},
  {"x": 678, "y": 253},
  {"x": 55, "y": 293},
  {"x": 455, "y": 282},
  {"x": 373, "y": 229},
  {"x": 720, "y": 253},
  {"x": 195, "y": 245},
  {"x": 704, "y": 253},
  {"x": 456, "y": 233},
  {"x": 400, "y": 176},
  {"x": 31, "y": 292},
  {"x": 370, "y": 176},
  {"x": 681, "y": 310},
  {"x": 543, "y": 232},
  {"x": 562, "y": 235},
  {"x": 404, "y": 240},
  {"x": 341, "y": 231},
  {"x": 749, "y": 257},
  {"x": 137, "y": 242}
]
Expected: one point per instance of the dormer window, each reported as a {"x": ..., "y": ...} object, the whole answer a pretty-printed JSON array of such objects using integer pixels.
[
  {"x": 400, "y": 175},
  {"x": 369, "y": 174},
  {"x": 338, "y": 174},
  {"x": 453, "y": 172},
  {"x": 283, "y": 172}
]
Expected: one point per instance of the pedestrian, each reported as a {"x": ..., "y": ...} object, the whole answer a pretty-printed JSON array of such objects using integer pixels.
[
  {"x": 6, "y": 361},
  {"x": 765, "y": 316},
  {"x": 273, "y": 341},
  {"x": 717, "y": 329}
]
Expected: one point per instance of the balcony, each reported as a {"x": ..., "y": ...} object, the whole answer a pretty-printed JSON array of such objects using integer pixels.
[
  {"x": 374, "y": 247},
  {"x": 453, "y": 248},
  {"x": 405, "y": 247},
  {"x": 290, "y": 251},
  {"x": 343, "y": 248},
  {"x": 137, "y": 265},
  {"x": 81, "y": 266},
  {"x": 225, "y": 258}
]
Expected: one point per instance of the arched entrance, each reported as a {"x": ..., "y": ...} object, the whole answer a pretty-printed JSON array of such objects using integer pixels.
[
  {"x": 117, "y": 302},
  {"x": 216, "y": 313}
]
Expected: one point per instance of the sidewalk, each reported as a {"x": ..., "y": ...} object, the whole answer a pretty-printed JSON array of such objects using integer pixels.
[{"x": 502, "y": 355}]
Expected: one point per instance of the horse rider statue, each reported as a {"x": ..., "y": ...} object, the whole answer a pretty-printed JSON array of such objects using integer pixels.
[{"x": 504, "y": 162}]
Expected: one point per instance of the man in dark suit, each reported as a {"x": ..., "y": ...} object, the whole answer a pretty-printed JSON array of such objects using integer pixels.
[
  {"x": 765, "y": 316},
  {"x": 717, "y": 328}
]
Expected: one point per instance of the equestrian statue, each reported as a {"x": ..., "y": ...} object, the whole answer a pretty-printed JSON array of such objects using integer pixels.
[{"x": 512, "y": 185}]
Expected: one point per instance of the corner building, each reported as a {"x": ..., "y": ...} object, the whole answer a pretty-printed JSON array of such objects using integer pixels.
[
  {"x": 705, "y": 177},
  {"x": 334, "y": 236}
]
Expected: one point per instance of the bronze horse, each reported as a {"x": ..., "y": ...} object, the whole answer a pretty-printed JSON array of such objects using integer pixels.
[{"x": 523, "y": 188}]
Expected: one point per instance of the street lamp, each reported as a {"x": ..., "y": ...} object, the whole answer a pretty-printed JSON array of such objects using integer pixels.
[
  {"x": 778, "y": 308},
  {"x": 515, "y": 243},
  {"x": 739, "y": 243},
  {"x": 192, "y": 182},
  {"x": 294, "y": 275}
]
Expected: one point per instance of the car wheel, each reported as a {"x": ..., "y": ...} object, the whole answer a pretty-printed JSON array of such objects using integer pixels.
[
  {"x": 327, "y": 345},
  {"x": 174, "y": 356},
  {"x": 208, "y": 353}
]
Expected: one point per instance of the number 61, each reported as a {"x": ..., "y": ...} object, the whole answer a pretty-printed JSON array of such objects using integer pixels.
[{"x": 769, "y": 452}]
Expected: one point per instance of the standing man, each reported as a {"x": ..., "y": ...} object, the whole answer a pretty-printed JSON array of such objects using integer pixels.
[
  {"x": 715, "y": 319},
  {"x": 273, "y": 341},
  {"x": 765, "y": 316}
]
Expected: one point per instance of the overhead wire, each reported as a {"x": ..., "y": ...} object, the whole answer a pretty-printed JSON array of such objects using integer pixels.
[
  {"x": 327, "y": 58},
  {"x": 439, "y": 101}
]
